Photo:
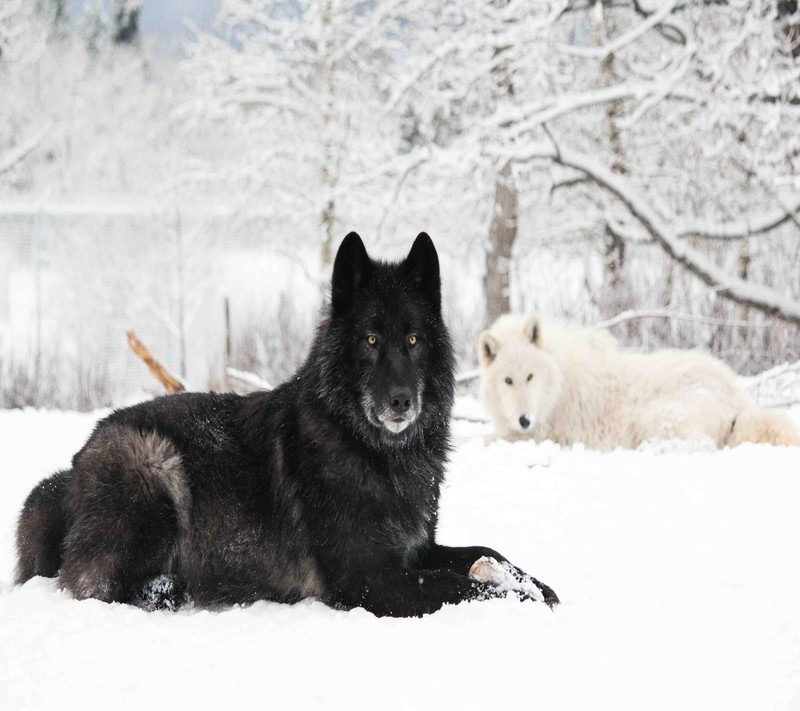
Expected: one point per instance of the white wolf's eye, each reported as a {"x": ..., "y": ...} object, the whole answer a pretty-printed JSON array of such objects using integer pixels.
[
  {"x": 509, "y": 381},
  {"x": 372, "y": 340},
  {"x": 530, "y": 377}
]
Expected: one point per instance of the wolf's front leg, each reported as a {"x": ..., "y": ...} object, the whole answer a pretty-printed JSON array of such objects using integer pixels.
[
  {"x": 402, "y": 592},
  {"x": 489, "y": 567}
]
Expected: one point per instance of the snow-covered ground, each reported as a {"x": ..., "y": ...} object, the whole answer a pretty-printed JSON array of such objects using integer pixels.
[{"x": 679, "y": 573}]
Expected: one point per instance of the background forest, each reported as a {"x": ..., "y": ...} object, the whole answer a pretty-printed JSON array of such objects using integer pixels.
[{"x": 627, "y": 164}]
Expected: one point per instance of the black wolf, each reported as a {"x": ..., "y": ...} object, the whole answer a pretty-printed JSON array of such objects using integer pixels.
[{"x": 327, "y": 486}]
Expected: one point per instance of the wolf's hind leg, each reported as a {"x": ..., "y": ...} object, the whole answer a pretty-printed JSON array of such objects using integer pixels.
[
  {"x": 699, "y": 422},
  {"x": 41, "y": 529},
  {"x": 128, "y": 507}
]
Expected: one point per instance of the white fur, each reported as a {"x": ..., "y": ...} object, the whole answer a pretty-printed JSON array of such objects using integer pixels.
[{"x": 584, "y": 388}]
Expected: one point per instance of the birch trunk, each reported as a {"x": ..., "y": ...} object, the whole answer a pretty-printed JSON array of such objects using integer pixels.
[{"x": 502, "y": 235}]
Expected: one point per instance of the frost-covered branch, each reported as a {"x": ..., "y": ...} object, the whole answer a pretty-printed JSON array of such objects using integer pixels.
[
  {"x": 726, "y": 285},
  {"x": 625, "y": 39},
  {"x": 419, "y": 72},
  {"x": 529, "y": 119},
  {"x": 638, "y": 314},
  {"x": 739, "y": 229},
  {"x": 368, "y": 31},
  {"x": 401, "y": 165},
  {"x": 22, "y": 151},
  {"x": 468, "y": 376},
  {"x": 776, "y": 387},
  {"x": 251, "y": 380}
]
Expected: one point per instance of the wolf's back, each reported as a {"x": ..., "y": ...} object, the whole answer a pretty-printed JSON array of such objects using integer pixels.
[{"x": 41, "y": 528}]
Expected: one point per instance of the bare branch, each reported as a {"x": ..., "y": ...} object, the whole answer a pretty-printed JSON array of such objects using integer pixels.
[
  {"x": 172, "y": 384},
  {"x": 18, "y": 154}
]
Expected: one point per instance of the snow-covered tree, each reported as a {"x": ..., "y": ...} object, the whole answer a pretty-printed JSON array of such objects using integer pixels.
[
  {"x": 300, "y": 92},
  {"x": 694, "y": 105}
]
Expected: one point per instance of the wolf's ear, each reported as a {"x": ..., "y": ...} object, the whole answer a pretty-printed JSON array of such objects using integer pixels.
[
  {"x": 488, "y": 346},
  {"x": 422, "y": 266},
  {"x": 351, "y": 269},
  {"x": 533, "y": 329}
]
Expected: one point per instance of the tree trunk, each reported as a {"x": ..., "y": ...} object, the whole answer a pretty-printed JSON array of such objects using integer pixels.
[
  {"x": 743, "y": 272},
  {"x": 502, "y": 235},
  {"x": 789, "y": 19},
  {"x": 327, "y": 165},
  {"x": 182, "y": 286},
  {"x": 614, "y": 297}
]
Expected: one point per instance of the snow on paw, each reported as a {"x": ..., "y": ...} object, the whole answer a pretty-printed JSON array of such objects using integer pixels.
[
  {"x": 508, "y": 578},
  {"x": 487, "y": 570},
  {"x": 525, "y": 587},
  {"x": 161, "y": 593}
]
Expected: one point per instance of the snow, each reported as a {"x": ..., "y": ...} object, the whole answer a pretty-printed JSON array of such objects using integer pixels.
[{"x": 678, "y": 571}]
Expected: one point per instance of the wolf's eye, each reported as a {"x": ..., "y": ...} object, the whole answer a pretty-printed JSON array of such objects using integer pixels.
[
  {"x": 412, "y": 340},
  {"x": 530, "y": 377},
  {"x": 509, "y": 381},
  {"x": 372, "y": 340}
]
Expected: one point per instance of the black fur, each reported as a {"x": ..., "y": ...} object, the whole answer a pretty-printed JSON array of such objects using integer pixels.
[{"x": 328, "y": 486}]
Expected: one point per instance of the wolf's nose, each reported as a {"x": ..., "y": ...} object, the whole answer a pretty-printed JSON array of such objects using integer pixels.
[
  {"x": 400, "y": 401},
  {"x": 524, "y": 422}
]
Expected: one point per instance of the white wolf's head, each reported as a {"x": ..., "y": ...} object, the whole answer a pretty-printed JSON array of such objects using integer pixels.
[{"x": 521, "y": 382}]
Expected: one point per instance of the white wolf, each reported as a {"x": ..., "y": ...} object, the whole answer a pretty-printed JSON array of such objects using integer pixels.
[{"x": 571, "y": 384}]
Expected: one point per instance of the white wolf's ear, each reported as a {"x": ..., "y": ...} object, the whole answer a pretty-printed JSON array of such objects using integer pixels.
[
  {"x": 351, "y": 269},
  {"x": 533, "y": 329},
  {"x": 422, "y": 265},
  {"x": 488, "y": 346}
]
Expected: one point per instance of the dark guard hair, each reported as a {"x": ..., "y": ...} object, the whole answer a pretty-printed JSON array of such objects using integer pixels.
[{"x": 327, "y": 486}]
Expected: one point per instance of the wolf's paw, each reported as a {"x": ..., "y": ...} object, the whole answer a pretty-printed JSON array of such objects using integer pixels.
[
  {"x": 508, "y": 578},
  {"x": 161, "y": 593}
]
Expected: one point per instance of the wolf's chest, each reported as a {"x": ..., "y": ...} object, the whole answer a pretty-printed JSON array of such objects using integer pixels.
[{"x": 373, "y": 516}]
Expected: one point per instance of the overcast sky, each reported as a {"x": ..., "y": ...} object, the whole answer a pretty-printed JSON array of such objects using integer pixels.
[{"x": 166, "y": 18}]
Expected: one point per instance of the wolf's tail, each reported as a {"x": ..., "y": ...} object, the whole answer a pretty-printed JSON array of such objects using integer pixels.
[
  {"x": 41, "y": 528},
  {"x": 754, "y": 424}
]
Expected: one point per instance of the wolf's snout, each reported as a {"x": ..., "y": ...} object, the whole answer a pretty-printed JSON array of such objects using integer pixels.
[
  {"x": 524, "y": 422},
  {"x": 400, "y": 401}
]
